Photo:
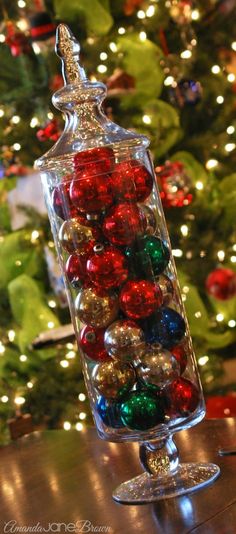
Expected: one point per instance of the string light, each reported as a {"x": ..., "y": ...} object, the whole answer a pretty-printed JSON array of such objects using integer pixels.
[
  {"x": 202, "y": 253},
  {"x": 199, "y": 185},
  {"x": 81, "y": 397},
  {"x": 19, "y": 400},
  {"x": 141, "y": 14},
  {"x": 232, "y": 323},
  {"x": 34, "y": 122},
  {"x": 121, "y": 30},
  {"x": 82, "y": 416},
  {"x": 103, "y": 56},
  {"x": 229, "y": 147},
  {"x": 29, "y": 385},
  {"x": 50, "y": 115},
  {"x": 184, "y": 230},
  {"x": 51, "y": 324},
  {"x": 142, "y": 36},
  {"x": 21, "y": 3},
  {"x": 17, "y": 146},
  {"x": 221, "y": 255},
  {"x": 2, "y": 113},
  {"x": 203, "y": 360},
  {"x": 233, "y": 259},
  {"x": 195, "y": 14},
  {"x": 2, "y": 348},
  {"x": 34, "y": 236},
  {"x": 23, "y": 358},
  {"x": 69, "y": 346},
  {"x": 64, "y": 363},
  {"x": 211, "y": 164},
  {"x": 215, "y": 69},
  {"x": 113, "y": 47},
  {"x": 150, "y": 11},
  {"x": 101, "y": 69},
  {"x": 52, "y": 304},
  {"x": 146, "y": 119},
  {"x": 219, "y": 317},
  {"x": 186, "y": 54},
  {"x": 185, "y": 289},
  {"x": 2, "y": 38},
  {"x": 220, "y": 99},
  {"x": 22, "y": 25},
  {"x": 230, "y": 130},
  {"x": 79, "y": 426},
  {"x": 18, "y": 263},
  {"x": 67, "y": 425},
  {"x": 198, "y": 315},
  {"x": 71, "y": 354},
  {"x": 177, "y": 252},
  {"x": 11, "y": 335},
  {"x": 231, "y": 77},
  {"x": 234, "y": 247},
  {"x": 4, "y": 399},
  {"x": 233, "y": 46},
  {"x": 15, "y": 119},
  {"x": 36, "y": 48},
  {"x": 168, "y": 81}
]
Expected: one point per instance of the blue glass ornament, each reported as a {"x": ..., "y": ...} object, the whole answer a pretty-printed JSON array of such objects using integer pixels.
[
  {"x": 187, "y": 92},
  {"x": 166, "y": 327},
  {"x": 109, "y": 412}
]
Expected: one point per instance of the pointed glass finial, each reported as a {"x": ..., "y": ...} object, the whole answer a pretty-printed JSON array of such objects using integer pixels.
[{"x": 68, "y": 49}]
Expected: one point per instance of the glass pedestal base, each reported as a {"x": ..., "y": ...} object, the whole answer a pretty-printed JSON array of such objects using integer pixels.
[{"x": 146, "y": 488}]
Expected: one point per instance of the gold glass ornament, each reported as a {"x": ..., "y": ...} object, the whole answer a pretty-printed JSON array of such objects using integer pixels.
[
  {"x": 95, "y": 308},
  {"x": 112, "y": 378},
  {"x": 125, "y": 340}
]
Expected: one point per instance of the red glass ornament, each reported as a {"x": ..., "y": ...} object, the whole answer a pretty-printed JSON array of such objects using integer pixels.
[
  {"x": 76, "y": 270},
  {"x": 221, "y": 283},
  {"x": 131, "y": 181},
  {"x": 92, "y": 343},
  {"x": 90, "y": 193},
  {"x": 49, "y": 132},
  {"x": 97, "y": 160},
  {"x": 175, "y": 185},
  {"x": 62, "y": 204},
  {"x": 180, "y": 354},
  {"x": 140, "y": 298},
  {"x": 221, "y": 406},
  {"x": 123, "y": 223},
  {"x": 183, "y": 397},
  {"x": 107, "y": 267},
  {"x": 17, "y": 41}
]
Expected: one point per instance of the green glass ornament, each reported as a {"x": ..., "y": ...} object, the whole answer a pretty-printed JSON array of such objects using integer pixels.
[
  {"x": 142, "y": 410},
  {"x": 148, "y": 256}
]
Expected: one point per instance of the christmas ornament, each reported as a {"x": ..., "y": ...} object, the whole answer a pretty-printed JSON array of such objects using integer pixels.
[
  {"x": 107, "y": 267},
  {"x": 77, "y": 238},
  {"x": 148, "y": 256},
  {"x": 218, "y": 406},
  {"x": 123, "y": 223},
  {"x": 131, "y": 5},
  {"x": 131, "y": 181},
  {"x": 50, "y": 131},
  {"x": 91, "y": 341},
  {"x": 98, "y": 160},
  {"x": 167, "y": 327},
  {"x": 120, "y": 82},
  {"x": 142, "y": 406},
  {"x": 175, "y": 185},
  {"x": 183, "y": 396},
  {"x": 17, "y": 41},
  {"x": 41, "y": 26},
  {"x": 166, "y": 287},
  {"x": 221, "y": 283},
  {"x": 90, "y": 192},
  {"x": 56, "y": 82},
  {"x": 111, "y": 378},
  {"x": 96, "y": 308},
  {"x": 125, "y": 340},
  {"x": 61, "y": 202},
  {"x": 181, "y": 355},
  {"x": 140, "y": 298},
  {"x": 109, "y": 411},
  {"x": 142, "y": 410},
  {"x": 181, "y": 11},
  {"x": 149, "y": 219},
  {"x": 76, "y": 270},
  {"x": 158, "y": 367},
  {"x": 186, "y": 93}
]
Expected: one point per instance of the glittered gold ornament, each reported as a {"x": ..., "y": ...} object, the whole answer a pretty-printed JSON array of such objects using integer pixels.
[
  {"x": 158, "y": 366},
  {"x": 77, "y": 238},
  {"x": 125, "y": 340},
  {"x": 96, "y": 308},
  {"x": 112, "y": 378}
]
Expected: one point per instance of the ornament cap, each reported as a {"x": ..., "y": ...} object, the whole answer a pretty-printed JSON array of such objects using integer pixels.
[{"x": 68, "y": 49}]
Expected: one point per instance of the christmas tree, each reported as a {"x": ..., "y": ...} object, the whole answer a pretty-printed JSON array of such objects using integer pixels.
[{"x": 170, "y": 72}]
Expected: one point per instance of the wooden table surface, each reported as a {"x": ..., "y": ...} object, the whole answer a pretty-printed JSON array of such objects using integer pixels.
[{"x": 68, "y": 477}]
